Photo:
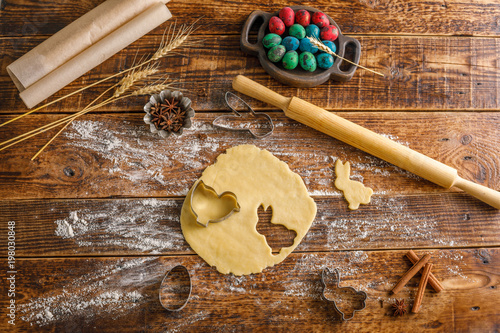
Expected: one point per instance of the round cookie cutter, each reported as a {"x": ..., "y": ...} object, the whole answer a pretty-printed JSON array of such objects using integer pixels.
[{"x": 298, "y": 77}]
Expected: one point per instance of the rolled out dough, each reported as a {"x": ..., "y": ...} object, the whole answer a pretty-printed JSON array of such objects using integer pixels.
[{"x": 257, "y": 178}]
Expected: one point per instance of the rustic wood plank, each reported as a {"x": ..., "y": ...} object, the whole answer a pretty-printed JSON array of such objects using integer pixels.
[
  {"x": 116, "y": 155},
  {"x": 121, "y": 294},
  {"x": 421, "y": 74},
  {"x": 456, "y": 17},
  {"x": 122, "y": 227}
]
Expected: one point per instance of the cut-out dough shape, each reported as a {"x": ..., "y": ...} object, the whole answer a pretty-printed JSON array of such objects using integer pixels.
[
  {"x": 277, "y": 235},
  {"x": 354, "y": 192},
  {"x": 257, "y": 178}
]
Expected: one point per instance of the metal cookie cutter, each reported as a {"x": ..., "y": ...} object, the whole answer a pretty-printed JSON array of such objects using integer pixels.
[
  {"x": 362, "y": 293},
  {"x": 219, "y": 119},
  {"x": 210, "y": 189},
  {"x": 165, "y": 304}
]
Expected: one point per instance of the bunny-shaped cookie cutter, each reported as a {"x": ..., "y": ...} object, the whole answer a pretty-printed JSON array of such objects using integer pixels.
[
  {"x": 216, "y": 122},
  {"x": 336, "y": 271}
]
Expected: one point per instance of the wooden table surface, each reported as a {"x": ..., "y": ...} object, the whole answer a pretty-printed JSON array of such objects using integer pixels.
[{"x": 121, "y": 188}]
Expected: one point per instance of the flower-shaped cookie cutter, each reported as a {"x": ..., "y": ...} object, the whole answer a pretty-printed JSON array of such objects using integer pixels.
[
  {"x": 217, "y": 121},
  {"x": 326, "y": 271},
  {"x": 163, "y": 282},
  {"x": 210, "y": 189}
]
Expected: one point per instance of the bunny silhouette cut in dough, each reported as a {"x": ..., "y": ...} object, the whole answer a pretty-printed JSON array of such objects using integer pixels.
[{"x": 354, "y": 192}]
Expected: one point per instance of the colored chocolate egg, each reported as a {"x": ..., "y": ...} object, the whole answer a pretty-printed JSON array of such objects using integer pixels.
[
  {"x": 330, "y": 44},
  {"x": 329, "y": 33},
  {"x": 307, "y": 61},
  {"x": 271, "y": 40},
  {"x": 290, "y": 43},
  {"x": 312, "y": 31},
  {"x": 287, "y": 15},
  {"x": 324, "y": 60},
  {"x": 276, "y": 53},
  {"x": 303, "y": 17},
  {"x": 306, "y": 46},
  {"x": 276, "y": 25},
  {"x": 297, "y": 31},
  {"x": 320, "y": 19},
  {"x": 290, "y": 60}
]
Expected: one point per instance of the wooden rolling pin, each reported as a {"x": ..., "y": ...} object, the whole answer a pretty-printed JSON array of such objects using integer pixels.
[{"x": 366, "y": 140}]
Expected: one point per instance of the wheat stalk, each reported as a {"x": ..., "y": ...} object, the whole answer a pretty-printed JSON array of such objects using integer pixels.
[
  {"x": 174, "y": 40},
  {"x": 147, "y": 90},
  {"x": 132, "y": 77},
  {"x": 324, "y": 48},
  {"x": 124, "y": 85},
  {"x": 171, "y": 40}
]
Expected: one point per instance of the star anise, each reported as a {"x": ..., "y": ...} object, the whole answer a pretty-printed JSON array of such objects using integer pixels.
[
  {"x": 167, "y": 115},
  {"x": 399, "y": 308},
  {"x": 170, "y": 106},
  {"x": 156, "y": 115}
]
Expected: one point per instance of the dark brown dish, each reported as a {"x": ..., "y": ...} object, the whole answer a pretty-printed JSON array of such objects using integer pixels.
[{"x": 298, "y": 77}]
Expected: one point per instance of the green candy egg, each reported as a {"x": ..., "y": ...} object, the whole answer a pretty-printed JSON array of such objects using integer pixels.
[
  {"x": 297, "y": 31},
  {"x": 276, "y": 53},
  {"x": 290, "y": 60},
  {"x": 307, "y": 61},
  {"x": 271, "y": 40}
]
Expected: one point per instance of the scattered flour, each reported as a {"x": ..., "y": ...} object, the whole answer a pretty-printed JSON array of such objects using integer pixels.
[
  {"x": 138, "y": 225},
  {"x": 103, "y": 292},
  {"x": 136, "y": 155},
  {"x": 390, "y": 220},
  {"x": 142, "y": 158}
]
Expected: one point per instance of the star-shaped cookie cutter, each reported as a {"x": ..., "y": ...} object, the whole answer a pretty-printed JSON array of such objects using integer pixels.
[
  {"x": 336, "y": 271},
  {"x": 208, "y": 188},
  {"x": 216, "y": 121}
]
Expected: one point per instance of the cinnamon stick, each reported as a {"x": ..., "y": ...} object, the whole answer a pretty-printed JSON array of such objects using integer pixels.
[
  {"x": 433, "y": 281},
  {"x": 421, "y": 288},
  {"x": 410, "y": 273}
]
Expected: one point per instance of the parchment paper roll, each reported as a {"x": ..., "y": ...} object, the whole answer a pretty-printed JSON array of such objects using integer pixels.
[{"x": 84, "y": 44}]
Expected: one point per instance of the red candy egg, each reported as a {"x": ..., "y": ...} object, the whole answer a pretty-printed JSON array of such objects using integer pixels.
[
  {"x": 287, "y": 15},
  {"x": 276, "y": 25},
  {"x": 329, "y": 33},
  {"x": 303, "y": 17},
  {"x": 320, "y": 20}
]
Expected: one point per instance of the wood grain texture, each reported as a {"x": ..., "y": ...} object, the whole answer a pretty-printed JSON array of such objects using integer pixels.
[
  {"x": 421, "y": 73},
  {"x": 456, "y": 17},
  {"x": 81, "y": 294},
  {"x": 96, "y": 215},
  {"x": 116, "y": 155},
  {"x": 119, "y": 227}
]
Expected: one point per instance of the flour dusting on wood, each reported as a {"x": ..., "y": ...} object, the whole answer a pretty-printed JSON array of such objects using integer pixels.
[
  {"x": 148, "y": 226},
  {"x": 109, "y": 290}
]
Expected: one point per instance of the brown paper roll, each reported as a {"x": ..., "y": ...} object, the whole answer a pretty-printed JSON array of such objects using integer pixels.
[{"x": 89, "y": 40}]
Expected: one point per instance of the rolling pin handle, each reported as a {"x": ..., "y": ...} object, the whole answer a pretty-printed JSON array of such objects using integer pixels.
[
  {"x": 483, "y": 193},
  {"x": 251, "y": 88}
]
